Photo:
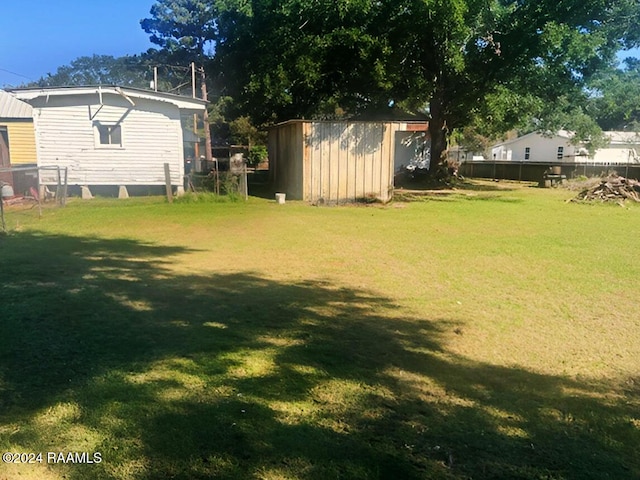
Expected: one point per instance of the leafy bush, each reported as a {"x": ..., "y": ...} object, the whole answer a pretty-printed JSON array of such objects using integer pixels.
[{"x": 257, "y": 155}]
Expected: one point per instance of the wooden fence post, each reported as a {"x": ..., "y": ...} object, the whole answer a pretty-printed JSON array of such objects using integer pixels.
[{"x": 167, "y": 181}]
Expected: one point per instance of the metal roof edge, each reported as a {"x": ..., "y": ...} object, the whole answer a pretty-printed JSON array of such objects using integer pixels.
[
  {"x": 300, "y": 120},
  {"x": 12, "y": 108},
  {"x": 35, "y": 92}
]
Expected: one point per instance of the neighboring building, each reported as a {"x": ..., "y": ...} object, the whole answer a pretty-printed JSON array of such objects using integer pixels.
[
  {"x": 535, "y": 147},
  {"x": 110, "y": 135},
  {"x": 623, "y": 147},
  {"x": 17, "y": 139},
  {"x": 340, "y": 161}
]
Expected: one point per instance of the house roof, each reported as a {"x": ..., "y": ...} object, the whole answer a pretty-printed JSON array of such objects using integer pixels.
[
  {"x": 129, "y": 93},
  {"x": 626, "y": 138},
  {"x": 615, "y": 138},
  {"x": 567, "y": 135},
  {"x": 11, "y": 107}
]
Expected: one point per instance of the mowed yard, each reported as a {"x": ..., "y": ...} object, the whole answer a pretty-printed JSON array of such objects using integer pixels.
[{"x": 489, "y": 334}]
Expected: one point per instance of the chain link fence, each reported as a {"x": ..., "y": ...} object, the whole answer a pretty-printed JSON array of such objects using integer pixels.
[{"x": 31, "y": 188}]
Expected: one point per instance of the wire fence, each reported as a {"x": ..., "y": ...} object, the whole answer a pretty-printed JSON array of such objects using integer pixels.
[
  {"x": 232, "y": 182},
  {"x": 25, "y": 188}
]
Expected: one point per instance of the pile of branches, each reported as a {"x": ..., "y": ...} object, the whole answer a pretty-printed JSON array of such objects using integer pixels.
[{"x": 612, "y": 189}]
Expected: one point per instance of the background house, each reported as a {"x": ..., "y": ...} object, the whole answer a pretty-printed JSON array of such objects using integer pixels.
[
  {"x": 535, "y": 147},
  {"x": 17, "y": 139},
  {"x": 340, "y": 161},
  {"x": 109, "y": 135},
  {"x": 623, "y": 147}
]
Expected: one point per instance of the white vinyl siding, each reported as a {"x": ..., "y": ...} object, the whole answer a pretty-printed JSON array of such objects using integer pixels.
[{"x": 150, "y": 135}]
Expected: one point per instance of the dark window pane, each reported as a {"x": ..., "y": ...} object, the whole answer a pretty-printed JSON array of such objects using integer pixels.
[
  {"x": 104, "y": 134},
  {"x": 116, "y": 135}
]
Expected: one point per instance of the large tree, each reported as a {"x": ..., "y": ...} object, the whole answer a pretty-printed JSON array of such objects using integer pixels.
[
  {"x": 186, "y": 28},
  {"x": 615, "y": 97},
  {"x": 448, "y": 57}
]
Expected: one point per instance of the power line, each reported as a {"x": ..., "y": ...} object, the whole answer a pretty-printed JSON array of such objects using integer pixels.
[{"x": 14, "y": 73}]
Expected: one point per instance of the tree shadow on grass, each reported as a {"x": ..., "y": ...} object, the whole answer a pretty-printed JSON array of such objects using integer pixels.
[{"x": 238, "y": 376}]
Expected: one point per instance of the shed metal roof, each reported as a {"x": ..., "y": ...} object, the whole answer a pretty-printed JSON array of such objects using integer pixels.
[{"x": 11, "y": 107}]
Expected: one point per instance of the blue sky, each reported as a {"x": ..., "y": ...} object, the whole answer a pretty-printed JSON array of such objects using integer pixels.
[{"x": 38, "y": 36}]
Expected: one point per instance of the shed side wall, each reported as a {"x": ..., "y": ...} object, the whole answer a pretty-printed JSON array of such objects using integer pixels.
[{"x": 350, "y": 161}]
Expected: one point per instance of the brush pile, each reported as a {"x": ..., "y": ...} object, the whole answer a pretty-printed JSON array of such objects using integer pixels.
[{"x": 612, "y": 189}]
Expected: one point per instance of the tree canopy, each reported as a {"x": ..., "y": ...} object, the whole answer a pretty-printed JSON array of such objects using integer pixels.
[
  {"x": 184, "y": 26},
  {"x": 488, "y": 65},
  {"x": 457, "y": 60},
  {"x": 614, "y": 100},
  {"x": 100, "y": 70}
]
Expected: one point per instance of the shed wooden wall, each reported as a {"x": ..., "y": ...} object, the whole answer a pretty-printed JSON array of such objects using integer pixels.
[
  {"x": 151, "y": 136},
  {"x": 22, "y": 141},
  {"x": 348, "y": 161},
  {"x": 333, "y": 162}
]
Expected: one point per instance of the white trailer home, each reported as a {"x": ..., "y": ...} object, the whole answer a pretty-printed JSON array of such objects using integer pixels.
[
  {"x": 535, "y": 147},
  {"x": 110, "y": 135},
  {"x": 622, "y": 148}
]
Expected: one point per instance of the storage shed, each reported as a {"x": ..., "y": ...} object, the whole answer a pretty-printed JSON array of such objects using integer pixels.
[
  {"x": 339, "y": 161},
  {"x": 110, "y": 135}
]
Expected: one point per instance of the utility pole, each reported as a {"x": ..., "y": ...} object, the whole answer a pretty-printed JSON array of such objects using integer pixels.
[
  {"x": 205, "y": 117},
  {"x": 155, "y": 79},
  {"x": 195, "y": 117}
]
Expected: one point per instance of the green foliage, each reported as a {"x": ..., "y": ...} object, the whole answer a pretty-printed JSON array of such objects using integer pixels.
[
  {"x": 491, "y": 65},
  {"x": 131, "y": 71},
  {"x": 257, "y": 155},
  {"x": 615, "y": 97},
  {"x": 205, "y": 197},
  {"x": 186, "y": 26},
  {"x": 459, "y": 57},
  {"x": 244, "y": 132}
]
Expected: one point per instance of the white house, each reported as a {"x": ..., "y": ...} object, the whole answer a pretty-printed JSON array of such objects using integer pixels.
[
  {"x": 534, "y": 147},
  {"x": 110, "y": 135},
  {"x": 557, "y": 148},
  {"x": 623, "y": 147}
]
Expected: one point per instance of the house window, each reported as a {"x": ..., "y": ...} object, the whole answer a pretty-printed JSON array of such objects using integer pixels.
[
  {"x": 560, "y": 154},
  {"x": 527, "y": 153},
  {"x": 109, "y": 135}
]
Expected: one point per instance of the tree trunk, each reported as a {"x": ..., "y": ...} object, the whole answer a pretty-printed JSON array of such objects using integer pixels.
[{"x": 438, "y": 132}]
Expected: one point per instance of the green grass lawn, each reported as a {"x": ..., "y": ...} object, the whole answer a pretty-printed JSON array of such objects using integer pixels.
[{"x": 492, "y": 333}]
